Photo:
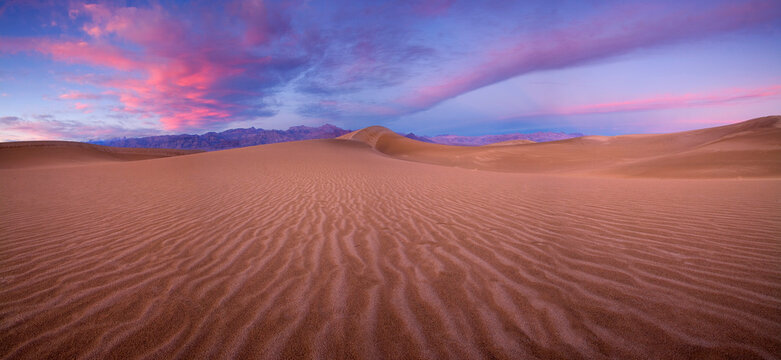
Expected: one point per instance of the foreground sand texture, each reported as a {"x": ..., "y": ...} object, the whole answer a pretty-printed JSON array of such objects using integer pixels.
[{"x": 332, "y": 249}]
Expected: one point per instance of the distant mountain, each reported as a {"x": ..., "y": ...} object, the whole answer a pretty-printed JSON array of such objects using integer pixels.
[
  {"x": 228, "y": 139},
  {"x": 235, "y": 138},
  {"x": 419, "y": 138},
  {"x": 491, "y": 139}
]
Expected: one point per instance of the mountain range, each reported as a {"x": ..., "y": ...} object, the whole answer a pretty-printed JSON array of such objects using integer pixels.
[{"x": 235, "y": 138}]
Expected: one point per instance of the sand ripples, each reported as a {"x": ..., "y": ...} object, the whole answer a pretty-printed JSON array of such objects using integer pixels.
[{"x": 326, "y": 249}]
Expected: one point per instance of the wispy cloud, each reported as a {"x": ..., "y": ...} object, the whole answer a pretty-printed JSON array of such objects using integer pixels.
[
  {"x": 619, "y": 31},
  {"x": 47, "y": 127},
  {"x": 664, "y": 101},
  {"x": 78, "y": 95}
]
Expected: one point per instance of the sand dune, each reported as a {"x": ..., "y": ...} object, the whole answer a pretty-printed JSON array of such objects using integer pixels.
[
  {"x": 748, "y": 149},
  {"x": 26, "y": 154},
  {"x": 332, "y": 249}
]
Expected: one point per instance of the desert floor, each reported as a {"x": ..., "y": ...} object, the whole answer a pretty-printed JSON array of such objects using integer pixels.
[{"x": 377, "y": 247}]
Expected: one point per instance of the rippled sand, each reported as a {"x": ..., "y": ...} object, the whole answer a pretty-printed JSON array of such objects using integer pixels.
[{"x": 331, "y": 249}]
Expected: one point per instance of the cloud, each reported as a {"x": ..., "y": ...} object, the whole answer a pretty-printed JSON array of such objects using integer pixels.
[
  {"x": 186, "y": 71},
  {"x": 366, "y": 59},
  {"x": 368, "y": 47},
  {"x": 77, "y": 95},
  {"x": 675, "y": 101},
  {"x": 432, "y": 7},
  {"x": 337, "y": 109},
  {"x": 9, "y": 120},
  {"x": 85, "y": 108},
  {"x": 264, "y": 21},
  {"x": 616, "y": 32},
  {"x": 199, "y": 66},
  {"x": 46, "y": 127},
  {"x": 664, "y": 101}
]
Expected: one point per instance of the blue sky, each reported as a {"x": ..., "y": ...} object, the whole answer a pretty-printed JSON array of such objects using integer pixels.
[{"x": 99, "y": 69}]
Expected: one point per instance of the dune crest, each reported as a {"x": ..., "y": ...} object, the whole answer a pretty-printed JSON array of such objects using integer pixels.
[
  {"x": 27, "y": 154},
  {"x": 748, "y": 149}
]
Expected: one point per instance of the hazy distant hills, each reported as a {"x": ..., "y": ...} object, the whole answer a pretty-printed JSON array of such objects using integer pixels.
[
  {"x": 490, "y": 139},
  {"x": 228, "y": 139},
  {"x": 235, "y": 138}
]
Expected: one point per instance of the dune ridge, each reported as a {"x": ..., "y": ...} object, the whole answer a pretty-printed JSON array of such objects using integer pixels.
[
  {"x": 25, "y": 154},
  {"x": 747, "y": 149},
  {"x": 335, "y": 249}
]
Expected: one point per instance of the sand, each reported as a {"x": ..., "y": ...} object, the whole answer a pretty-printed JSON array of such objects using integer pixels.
[
  {"x": 747, "y": 149},
  {"x": 371, "y": 248},
  {"x": 29, "y": 154}
]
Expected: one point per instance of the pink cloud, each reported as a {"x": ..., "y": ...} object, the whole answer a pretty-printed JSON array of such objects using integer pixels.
[
  {"x": 46, "y": 127},
  {"x": 85, "y": 108},
  {"x": 665, "y": 101},
  {"x": 77, "y": 95},
  {"x": 675, "y": 101},
  {"x": 612, "y": 33},
  {"x": 73, "y": 51},
  {"x": 187, "y": 75},
  {"x": 84, "y": 52}
]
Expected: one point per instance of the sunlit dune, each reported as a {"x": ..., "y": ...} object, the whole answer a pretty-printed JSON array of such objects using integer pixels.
[
  {"x": 748, "y": 149},
  {"x": 374, "y": 245}
]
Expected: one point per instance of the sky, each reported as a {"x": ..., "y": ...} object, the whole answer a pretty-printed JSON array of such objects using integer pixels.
[{"x": 76, "y": 70}]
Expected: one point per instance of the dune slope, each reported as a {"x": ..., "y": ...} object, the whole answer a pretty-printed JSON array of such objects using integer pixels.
[
  {"x": 26, "y": 154},
  {"x": 748, "y": 149},
  {"x": 329, "y": 249}
]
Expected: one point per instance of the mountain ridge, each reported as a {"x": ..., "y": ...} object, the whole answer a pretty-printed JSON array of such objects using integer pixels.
[{"x": 243, "y": 137}]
